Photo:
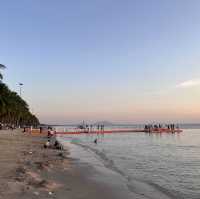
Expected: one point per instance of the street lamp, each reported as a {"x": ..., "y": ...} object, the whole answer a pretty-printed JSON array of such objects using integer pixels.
[{"x": 20, "y": 89}]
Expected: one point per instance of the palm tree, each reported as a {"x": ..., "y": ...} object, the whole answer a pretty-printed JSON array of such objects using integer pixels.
[
  {"x": 13, "y": 109},
  {"x": 1, "y": 67}
]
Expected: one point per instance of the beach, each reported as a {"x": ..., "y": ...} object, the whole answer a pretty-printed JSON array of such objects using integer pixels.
[
  {"x": 28, "y": 170},
  {"x": 131, "y": 166}
]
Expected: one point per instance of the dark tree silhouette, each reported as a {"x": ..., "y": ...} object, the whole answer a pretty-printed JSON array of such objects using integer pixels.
[{"x": 13, "y": 109}]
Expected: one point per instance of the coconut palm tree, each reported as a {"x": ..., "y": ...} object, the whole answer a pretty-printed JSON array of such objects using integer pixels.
[
  {"x": 1, "y": 67},
  {"x": 13, "y": 109}
]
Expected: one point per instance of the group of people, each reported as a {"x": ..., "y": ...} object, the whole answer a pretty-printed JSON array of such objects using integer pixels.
[
  {"x": 100, "y": 127},
  {"x": 52, "y": 141},
  {"x": 88, "y": 128},
  {"x": 150, "y": 127},
  {"x": 6, "y": 127}
]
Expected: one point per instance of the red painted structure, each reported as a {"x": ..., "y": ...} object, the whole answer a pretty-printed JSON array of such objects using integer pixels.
[
  {"x": 164, "y": 130},
  {"x": 121, "y": 131}
]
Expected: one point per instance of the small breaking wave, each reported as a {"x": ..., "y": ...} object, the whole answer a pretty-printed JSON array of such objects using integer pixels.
[{"x": 145, "y": 189}]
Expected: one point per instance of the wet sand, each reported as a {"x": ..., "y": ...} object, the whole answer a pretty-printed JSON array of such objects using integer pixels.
[{"x": 27, "y": 170}]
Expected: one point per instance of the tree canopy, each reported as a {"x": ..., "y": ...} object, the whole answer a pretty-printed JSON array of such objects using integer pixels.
[
  {"x": 13, "y": 109},
  {"x": 1, "y": 67}
]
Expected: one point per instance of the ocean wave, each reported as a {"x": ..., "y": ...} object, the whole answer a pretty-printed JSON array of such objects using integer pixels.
[{"x": 140, "y": 187}]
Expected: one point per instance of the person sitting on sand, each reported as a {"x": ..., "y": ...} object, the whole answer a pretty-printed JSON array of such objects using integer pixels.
[
  {"x": 57, "y": 145},
  {"x": 47, "y": 144}
]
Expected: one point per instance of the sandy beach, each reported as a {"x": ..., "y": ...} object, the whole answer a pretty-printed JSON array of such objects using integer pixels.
[{"x": 28, "y": 170}]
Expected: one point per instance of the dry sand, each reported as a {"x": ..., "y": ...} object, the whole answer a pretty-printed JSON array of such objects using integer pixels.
[{"x": 29, "y": 171}]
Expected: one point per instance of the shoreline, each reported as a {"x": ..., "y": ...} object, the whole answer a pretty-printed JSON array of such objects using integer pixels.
[
  {"x": 30, "y": 171},
  {"x": 104, "y": 172}
]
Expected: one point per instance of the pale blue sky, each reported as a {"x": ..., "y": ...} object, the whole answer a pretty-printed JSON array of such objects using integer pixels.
[{"x": 117, "y": 60}]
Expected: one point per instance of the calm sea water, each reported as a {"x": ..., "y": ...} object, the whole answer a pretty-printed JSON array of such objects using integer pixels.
[{"x": 167, "y": 163}]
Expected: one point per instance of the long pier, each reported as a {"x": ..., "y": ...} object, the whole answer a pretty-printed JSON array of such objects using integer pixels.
[{"x": 120, "y": 131}]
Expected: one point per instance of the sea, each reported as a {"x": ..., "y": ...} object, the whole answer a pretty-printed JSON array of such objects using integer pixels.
[{"x": 152, "y": 165}]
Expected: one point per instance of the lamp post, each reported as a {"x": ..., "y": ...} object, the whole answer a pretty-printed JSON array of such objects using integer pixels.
[{"x": 20, "y": 89}]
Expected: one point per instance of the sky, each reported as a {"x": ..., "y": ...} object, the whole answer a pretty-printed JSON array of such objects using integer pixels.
[{"x": 130, "y": 61}]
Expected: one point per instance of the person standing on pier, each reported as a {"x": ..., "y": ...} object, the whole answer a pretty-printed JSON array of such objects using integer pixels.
[
  {"x": 91, "y": 127},
  {"x": 102, "y": 127}
]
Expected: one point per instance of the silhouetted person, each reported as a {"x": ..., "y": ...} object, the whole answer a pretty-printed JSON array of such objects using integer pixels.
[{"x": 91, "y": 127}]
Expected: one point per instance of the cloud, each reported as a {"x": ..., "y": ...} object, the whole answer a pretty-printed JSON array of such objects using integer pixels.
[{"x": 189, "y": 83}]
